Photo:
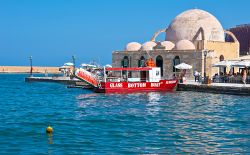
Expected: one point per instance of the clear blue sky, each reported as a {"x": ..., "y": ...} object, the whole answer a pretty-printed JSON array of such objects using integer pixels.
[{"x": 54, "y": 30}]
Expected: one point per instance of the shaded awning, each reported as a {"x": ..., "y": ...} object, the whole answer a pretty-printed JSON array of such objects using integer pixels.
[
  {"x": 108, "y": 66},
  {"x": 88, "y": 65},
  {"x": 68, "y": 64},
  {"x": 183, "y": 66},
  {"x": 244, "y": 63},
  {"x": 225, "y": 63}
]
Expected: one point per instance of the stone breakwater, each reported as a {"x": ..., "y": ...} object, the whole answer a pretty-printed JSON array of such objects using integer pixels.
[{"x": 26, "y": 69}]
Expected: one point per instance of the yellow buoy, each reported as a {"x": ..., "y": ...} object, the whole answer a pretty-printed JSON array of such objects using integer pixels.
[{"x": 49, "y": 129}]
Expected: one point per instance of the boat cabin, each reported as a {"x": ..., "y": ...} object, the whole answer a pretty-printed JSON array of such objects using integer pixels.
[{"x": 135, "y": 74}]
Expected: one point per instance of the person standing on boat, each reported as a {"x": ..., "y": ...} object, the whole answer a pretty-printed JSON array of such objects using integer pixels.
[{"x": 244, "y": 76}]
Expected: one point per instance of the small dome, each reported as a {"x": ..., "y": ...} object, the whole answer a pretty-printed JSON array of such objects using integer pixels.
[
  {"x": 133, "y": 46},
  {"x": 184, "y": 45},
  {"x": 149, "y": 45},
  {"x": 168, "y": 45}
]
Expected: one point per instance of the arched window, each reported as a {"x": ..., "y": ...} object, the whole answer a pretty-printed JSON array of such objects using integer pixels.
[
  {"x": 125, "y": 62},
  {"x": 176, "y": 61},
  {"x": 159, "y": 63},
  {"x": 221, "y": 57},
  {"x": 141, "y": 62}
]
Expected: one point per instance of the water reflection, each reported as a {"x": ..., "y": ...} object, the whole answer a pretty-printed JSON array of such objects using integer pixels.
[
  {"x": 86, "y": 99},
  {"x": 153, "y": 97},
  {"x": 203, "y": 124},
  {"x": 192, "y": 122},
  {"x": 50, "y": 138},
  {"x": 86, "y": 96},
  {"x": 152, "y": 106}
]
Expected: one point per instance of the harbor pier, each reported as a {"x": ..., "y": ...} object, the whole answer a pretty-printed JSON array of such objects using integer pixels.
[{"x": 218, "y": 88}]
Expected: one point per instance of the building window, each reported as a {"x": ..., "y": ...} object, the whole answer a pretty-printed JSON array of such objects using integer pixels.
[
  {"x": 159, "y": 63},
  {"x": 125, "y": 62},
  {"x": 141, "y": 62},
  {"x": 176, "y": 61},
  {"x": 222, "y": 58}
]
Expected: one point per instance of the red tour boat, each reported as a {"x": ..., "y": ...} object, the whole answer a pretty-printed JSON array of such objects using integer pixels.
[{"x": 134, "y": 79}]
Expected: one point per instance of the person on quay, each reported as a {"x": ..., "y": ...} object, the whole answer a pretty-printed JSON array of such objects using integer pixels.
[{"x": 196, "y": 75}]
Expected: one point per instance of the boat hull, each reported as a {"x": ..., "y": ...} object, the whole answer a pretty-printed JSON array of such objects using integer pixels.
[{"x": 129, "y": 87}]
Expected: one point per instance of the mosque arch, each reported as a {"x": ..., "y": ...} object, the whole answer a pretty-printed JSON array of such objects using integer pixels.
[
  {"x": 231, "y": 35},
  {"x": 159, "y": 63},
  {"x": 176, "y": 61},
  {"x": 156, "y": 34},
  {"x": 200, "y": 31}
]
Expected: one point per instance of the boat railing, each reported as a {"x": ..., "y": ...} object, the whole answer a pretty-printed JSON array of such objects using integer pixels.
[{"x": 122, "y": 79}]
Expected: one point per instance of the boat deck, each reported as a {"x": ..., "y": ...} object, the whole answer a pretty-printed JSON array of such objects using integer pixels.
[{"x": 59, "y": 79}]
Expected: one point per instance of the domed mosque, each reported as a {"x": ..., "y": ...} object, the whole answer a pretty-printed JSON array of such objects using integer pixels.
[{"x": 191, "y": 37}]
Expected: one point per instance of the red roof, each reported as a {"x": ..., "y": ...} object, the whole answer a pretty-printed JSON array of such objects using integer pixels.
[{"x": 129, "y": 69}]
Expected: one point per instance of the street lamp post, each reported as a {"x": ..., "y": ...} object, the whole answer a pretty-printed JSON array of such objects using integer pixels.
[
  {"x": 31, "y": 67},
  {"x": 205, "y": 62},
  {"x": 74, "y": 61}
]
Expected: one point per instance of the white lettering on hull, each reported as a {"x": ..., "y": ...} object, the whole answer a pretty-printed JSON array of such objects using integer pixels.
[
  {"x": 155, "y": 84},
  {"x": 115, "y": 85},
  {"x": 170, "y": 82},
  {"x": 136, "y": 85}
]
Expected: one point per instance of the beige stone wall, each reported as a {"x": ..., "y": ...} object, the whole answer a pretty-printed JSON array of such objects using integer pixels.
[
  {"x": 230, "y": 51},
  {"x": 26, "y": 69}
]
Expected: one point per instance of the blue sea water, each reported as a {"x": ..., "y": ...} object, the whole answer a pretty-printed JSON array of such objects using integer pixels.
[{"x": 138, "y": 123}]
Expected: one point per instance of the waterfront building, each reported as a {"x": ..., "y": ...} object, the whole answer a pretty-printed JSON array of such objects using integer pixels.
[
  {"x": 242, "y": 33},
  {"x": 194, "y": 37}
]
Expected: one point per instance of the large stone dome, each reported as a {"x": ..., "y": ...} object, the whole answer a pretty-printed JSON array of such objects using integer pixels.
[{"x": 186, "y": 25}]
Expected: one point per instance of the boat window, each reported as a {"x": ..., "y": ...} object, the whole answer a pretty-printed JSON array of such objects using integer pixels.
[{"x": 157, "y": 73}]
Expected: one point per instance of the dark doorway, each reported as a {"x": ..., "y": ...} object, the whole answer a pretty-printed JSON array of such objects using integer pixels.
[
  {"x": 176, "y": 61},
  {"x": 159, "y": 63},
  {"x": 222, "y": 70}
]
